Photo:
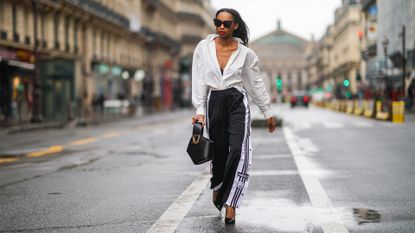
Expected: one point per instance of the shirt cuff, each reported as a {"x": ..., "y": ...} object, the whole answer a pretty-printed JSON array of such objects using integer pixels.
[
  {"x": 268, "y": 113},
  {"x": 201, "y": 110}
]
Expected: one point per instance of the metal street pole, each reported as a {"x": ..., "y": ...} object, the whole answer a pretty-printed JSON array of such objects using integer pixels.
[
  {"x": 385, "y": 43},
  {"x": 403, "y": 35},
  {"x": 36, "y": 111}
]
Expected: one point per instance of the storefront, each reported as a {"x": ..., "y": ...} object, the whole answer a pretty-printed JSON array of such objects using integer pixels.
[
  {"x": 58, "y": 89},
  {"x": 16, "y": 85}
]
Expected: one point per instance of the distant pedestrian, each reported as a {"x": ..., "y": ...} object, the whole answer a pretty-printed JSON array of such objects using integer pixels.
[
  {"x": 224, "y": 73},
  {"x": 411, "y": 94}
]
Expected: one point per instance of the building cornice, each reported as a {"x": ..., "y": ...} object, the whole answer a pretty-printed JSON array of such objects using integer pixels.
[
  {"x": 344, "y": 10},
  {"x": 98, "y": 10},
  {"x": 163, "y": 8},
  {"x": 160, "y": 39},
  {"x": 191, "y": 16}
]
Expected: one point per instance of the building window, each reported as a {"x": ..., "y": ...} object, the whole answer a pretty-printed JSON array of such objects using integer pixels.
[
  {"x": 102, "y": 45},
  {"x": 43, "y": 29},
  {"x": 94, "y": 42},
  {"x": 26, "y": 26},
  {"x": 67, "y": 33},
  {"x": 1, "y": 14},
  {"x": 56, "y": 30},
  {"x": 14, "y": 22},
  {"x": 75, "y": 35},
  {"x": 3, "y": 34},
  {"x": 108, "y": 46}
]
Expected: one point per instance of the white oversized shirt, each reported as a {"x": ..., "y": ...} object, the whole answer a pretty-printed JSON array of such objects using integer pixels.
[{"x": 241, "y": 72}]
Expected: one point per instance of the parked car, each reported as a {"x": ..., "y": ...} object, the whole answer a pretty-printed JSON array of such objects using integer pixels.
[{"x": 299, "y": 97}]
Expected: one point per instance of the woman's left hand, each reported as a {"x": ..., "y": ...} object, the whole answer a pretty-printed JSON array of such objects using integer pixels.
[{"x": 272, "y": 124}]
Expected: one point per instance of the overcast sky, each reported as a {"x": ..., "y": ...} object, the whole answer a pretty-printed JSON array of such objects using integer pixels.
[{"x": 301, "y": 17}]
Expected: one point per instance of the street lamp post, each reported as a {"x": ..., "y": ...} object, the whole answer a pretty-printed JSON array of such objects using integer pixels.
[
  {"x": 402, "y": 34},
  {"x": 385, "y": 43},
  {"x": 36, "y": 112}
]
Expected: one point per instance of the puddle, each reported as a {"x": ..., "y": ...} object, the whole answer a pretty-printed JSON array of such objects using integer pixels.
[
  {"x": 55, "y": 193},
  {"x": 364, "y": 215},
  {"x": 274, "y": 212}
]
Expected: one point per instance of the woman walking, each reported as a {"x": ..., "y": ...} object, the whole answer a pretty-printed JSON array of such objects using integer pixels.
[{"x": 224, "y": 72}]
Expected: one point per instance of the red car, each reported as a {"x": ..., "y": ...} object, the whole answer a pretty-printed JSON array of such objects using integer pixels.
[{"x": 299, "y": 98}]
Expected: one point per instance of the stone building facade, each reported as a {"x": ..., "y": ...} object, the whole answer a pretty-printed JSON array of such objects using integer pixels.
[
  {"x": 336, "y": 57},
  {"x": 282, "y": 56},
  {"x": 90, "y": 51}
]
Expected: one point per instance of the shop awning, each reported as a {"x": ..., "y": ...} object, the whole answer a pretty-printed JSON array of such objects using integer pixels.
[{"x": 22, "y": 65}]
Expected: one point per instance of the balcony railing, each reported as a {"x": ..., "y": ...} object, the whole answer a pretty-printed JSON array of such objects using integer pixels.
[
  {"x": 160, "y": 38},
  {"x": 192, "y": 17},
  {"x": 101, "y": 11}
]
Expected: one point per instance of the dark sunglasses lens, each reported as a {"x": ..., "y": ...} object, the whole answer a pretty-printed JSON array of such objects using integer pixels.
[
  {"x": 217, "y": 22},
  {"x": 227, "y": 24}
]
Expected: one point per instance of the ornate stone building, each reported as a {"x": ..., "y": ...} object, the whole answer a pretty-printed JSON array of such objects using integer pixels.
[
  {"x": 61, "y": 58},
  {"x": 282, "y": 54},
  {"x": 345, "y": 53},
  {"x": 334, "y": 62}
]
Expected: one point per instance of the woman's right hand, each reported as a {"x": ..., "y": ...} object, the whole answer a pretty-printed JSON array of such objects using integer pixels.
[{"x": 199, "y": 118}]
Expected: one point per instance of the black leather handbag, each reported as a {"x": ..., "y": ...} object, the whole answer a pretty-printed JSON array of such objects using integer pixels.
[{"x": 200, "y": 149}]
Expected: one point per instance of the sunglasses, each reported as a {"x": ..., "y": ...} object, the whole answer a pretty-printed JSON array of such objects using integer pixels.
[{"x": 226, "y": 23}]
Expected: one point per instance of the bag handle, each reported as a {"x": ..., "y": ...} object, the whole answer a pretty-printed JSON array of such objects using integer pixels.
[{"x": 197, "y": 132}]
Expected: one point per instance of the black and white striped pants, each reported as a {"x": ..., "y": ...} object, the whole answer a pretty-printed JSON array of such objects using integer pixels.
[{"x": 229, "y": 125}]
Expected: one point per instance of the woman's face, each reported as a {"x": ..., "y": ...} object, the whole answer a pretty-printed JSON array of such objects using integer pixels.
[{"x": 225, "y": 25}]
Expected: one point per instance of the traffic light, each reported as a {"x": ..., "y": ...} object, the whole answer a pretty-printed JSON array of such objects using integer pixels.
[
  {"x": 346, "y": 83},
  {"x": 279, "y": 83}
]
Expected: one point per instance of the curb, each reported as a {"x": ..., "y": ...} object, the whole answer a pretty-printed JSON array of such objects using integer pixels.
[{"x": 32, "y": 127}]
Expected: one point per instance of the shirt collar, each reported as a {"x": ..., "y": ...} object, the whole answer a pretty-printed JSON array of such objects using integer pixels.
[{"x": 213, "y": 36}]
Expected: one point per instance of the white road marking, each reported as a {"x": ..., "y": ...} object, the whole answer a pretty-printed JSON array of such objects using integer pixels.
[
  {"x": 171, "y": 218},
  {"x": 273, "y": 173},
  {"x": 362, "y": 124},
  {"x": 333, "y": 125},
  {"x": 326, "y": 214},
  {"x": 302, "y": 125},
  {"x": 262, "y": 141},
  {"x": 265, "y": 157},
  {"x": 307, "y": 145}
]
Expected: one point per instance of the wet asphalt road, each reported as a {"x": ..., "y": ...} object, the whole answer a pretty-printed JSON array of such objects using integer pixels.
[{"x": 122, "y": 177}]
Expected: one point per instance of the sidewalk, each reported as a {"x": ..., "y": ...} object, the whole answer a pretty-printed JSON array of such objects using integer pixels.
[
  {"x": 78, "y": 122},
  {"x": 46, "y": 140},
  {"x": 410, "y": 117}
]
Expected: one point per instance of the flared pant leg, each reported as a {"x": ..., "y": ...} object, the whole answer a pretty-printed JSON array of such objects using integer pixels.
[{"x": 229, "y": 127}]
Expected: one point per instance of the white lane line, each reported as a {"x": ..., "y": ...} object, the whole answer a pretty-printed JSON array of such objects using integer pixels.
[
  {"x": 361, "y": 124},
  {"x": 333, "y": 125},
  {"x": 322, "y": 205},
  {"x": 302, "y": 125},
  {"x": 307, "y": 145},
  {"x": 265, "y": 157},
  {"x": 274, "y": 173},
  {"x": 171, "y": 218}
]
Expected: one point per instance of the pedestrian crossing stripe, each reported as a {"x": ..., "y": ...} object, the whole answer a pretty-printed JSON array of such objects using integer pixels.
[{"x": 337, "y": 125}]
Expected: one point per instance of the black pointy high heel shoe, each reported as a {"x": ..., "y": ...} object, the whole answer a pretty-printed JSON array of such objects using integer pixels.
[
  {"x": 214, "y": 196},
  {"x": 230, "y": 215},
  {"x": 215, "y": 200}
]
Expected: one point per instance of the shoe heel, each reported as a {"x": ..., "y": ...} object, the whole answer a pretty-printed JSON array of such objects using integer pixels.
[{"x": 229, "y": 221}]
